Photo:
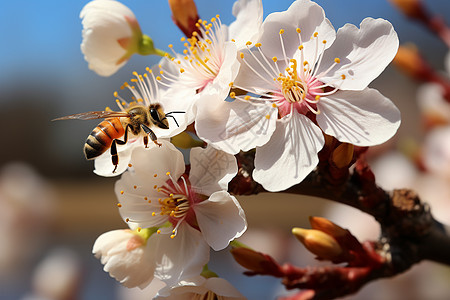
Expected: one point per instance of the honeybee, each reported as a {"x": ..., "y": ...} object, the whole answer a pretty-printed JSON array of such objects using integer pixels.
[{"x": 137, "y": 119}]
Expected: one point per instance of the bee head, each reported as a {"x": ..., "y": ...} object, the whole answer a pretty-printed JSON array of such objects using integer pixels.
[{"x": 158, "y": 116}]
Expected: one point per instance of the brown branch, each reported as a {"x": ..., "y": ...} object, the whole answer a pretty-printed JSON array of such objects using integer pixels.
[{"x": 410, "y": 234}]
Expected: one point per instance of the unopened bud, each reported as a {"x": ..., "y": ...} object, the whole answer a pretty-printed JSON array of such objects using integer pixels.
[
  {"x": 410, "y": 61},
  {"x": 342, "y": 155},
  {"x": 327, "y": 226},
  {"x": 185, "y": 16},
  {"x": 318, "y": 242},
  {"x": 411, "y": 8}
]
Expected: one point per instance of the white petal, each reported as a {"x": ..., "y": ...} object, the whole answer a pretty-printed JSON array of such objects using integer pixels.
[
  {"x": 181, "y": 257},
  {"x": 223, "y": 288},
  {"x": 362, "y": 118},
  {"x": 436, "y": 151},
  {"x": 303, "y": 14},
  {"x": 131, "y": 266},
  {"x": 228, "y": 71},
  {"x": 103, "y": 24},
  {"x": 193, "y": 287},
  {"x": 104, "y": 166},
  {"x": 183, "y": 290},
  {"x": 135, "y": 209},
  {"x": 234, "y": 126},
  {"x": 290, "y": 155},
  {"x": 221, "y": 219},
  {"x": 257, "y": 72},
  {"x": 364, "y": 53},
  {"x": 247, "y": 27},
  {"x": 211, "y": 170},
  {"x": 158, "y": 160}
]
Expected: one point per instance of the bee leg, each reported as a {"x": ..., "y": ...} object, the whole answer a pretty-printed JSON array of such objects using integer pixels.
[
  {"x": 152, "y": 135},
  {"x": 146, "y": 141},
  {"x": 114, "y": 155}
]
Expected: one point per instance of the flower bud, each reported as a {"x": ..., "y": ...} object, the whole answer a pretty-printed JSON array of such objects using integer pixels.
[
  {"x": 318, "y": 243},
  {"x": 185, "y": 16},
  {"x": 327, "y": 227},
  {"x": 342, "y": 155},
  {"x": 126, "y": 256},
  {"x": 111, "y": 35},
  {"x": 411, "y": 8},
  {"x": 409, "y": 61}
]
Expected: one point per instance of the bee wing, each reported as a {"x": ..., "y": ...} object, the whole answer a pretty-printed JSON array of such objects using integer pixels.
[{"x": 90, "y": 115}]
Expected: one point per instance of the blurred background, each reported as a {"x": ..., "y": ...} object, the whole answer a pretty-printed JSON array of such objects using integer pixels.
[{"x": 53, "y": 206}]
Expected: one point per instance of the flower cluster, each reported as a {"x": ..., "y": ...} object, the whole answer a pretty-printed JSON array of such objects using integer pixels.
[{"x": 278, "y": 85}]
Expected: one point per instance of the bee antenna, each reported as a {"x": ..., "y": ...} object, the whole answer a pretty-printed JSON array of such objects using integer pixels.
[
  {"x": 175, "y": 112},
  {"x": 167, "y": 115}
]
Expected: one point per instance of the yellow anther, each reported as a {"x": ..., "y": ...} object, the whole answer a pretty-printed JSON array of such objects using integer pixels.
[
  {"x": 127, "y": 220},
  {"x": 153, "y": 214},
  {"x": 121, "y": 192},
  {"x": 316, "y": 34},
  {"x": 181, "y": 70},
  {"x": 168, "y": 173},
  {"x": 139, "y": 229},
  {"x": 183, "y": 39},
  {"x": 232, "y": 95},
  {"x": 233, "y": 40},
  {"x": 116, "y": 94},
  {"x": 158, "y": 78},
  {"x": 135, "y": 187},
  {"x": 274, "y": 59},
  {"x": 281, "y": 31},
  {"x": 258, "y": 45},
  {"x": 149, "y": 201},
  {"x": 170, "y": 46},
  {"x": 213, "y": 20},
  {"x": 158, "y": 231},
  {"x": 324, "y": 41},
  {"x": 298, "y": 30},
  {"x": 155, "y": 186},
  {"x": 241, "y": 55},
  {"x": 166, "y": 54},
  {"x": 145, "y": 198},
  {"x": 161, "y": 72},
  {"x": 343, "y": 76},
  {"x": 267, "y": 117},
  {"x": 317, "y": 97},
  {"x": 194, "y": 33},
  {"x": 231, "y": 84},
  {"x": 274, "y": 105},
  {"x": 305, "y": 63},
  {"x": 135, "y": 73},
  {"x": 248, "y": 43},
  {"x": 119, "y": 205},
  {"x": 300, "y": 47},
  {"x": 172, "y": 236},
  {"x": 337, "y": 60},
  {"x": 217, "y": 16},
  {"x": 247, "y": 97}
]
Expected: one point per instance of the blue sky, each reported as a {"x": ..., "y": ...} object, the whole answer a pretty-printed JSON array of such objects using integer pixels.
[{"x": 40, "y": 52}]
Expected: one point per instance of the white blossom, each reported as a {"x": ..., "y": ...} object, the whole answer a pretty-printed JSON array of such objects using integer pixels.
[
  {"x": 201, "y": 288},
  {"x": 111, "y": 34},
  {"x": 195, "y": 211},
  {"x": 127, "y": 256},
  {"x": 304, "y": 78}
]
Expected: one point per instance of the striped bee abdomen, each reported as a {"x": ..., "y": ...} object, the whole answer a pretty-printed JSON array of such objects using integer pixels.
[{"x": 102, "y": 137}]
